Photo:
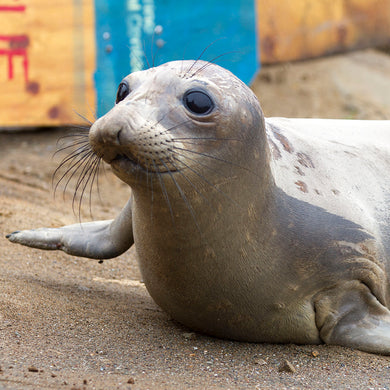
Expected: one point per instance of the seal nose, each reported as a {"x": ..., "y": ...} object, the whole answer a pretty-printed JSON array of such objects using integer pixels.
[{"x": 105, "y": 138}]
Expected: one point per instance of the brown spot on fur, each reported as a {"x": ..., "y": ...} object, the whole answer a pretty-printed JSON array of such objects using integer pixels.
[
  {"x": 336, "y": 192},
  {"x": 302, "y": 186},
  {"x": 299, "y": 171},
  {"x": 284, "y": 141},
  {"x": 305, "y": 160},
  {"x": 317, "y": 192},
  {"x": 275, "y": 150}
]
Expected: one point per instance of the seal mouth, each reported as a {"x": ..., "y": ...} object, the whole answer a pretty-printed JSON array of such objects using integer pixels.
[
  {"x": 124, "y": 161},
  {"x": 124, "y": 157},
  {"x": 158, "y": 167}
]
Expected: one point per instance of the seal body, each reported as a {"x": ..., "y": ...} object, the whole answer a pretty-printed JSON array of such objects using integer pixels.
[{"x": 272, "y": 230}]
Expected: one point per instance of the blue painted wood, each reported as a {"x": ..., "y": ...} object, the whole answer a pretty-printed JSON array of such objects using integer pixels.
[{"x": 134, "y": 34}]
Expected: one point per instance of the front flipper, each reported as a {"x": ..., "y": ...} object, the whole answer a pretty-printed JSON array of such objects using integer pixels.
[
  {"x": 95, "y": 240},
  {"x": 352, "y": 316}
]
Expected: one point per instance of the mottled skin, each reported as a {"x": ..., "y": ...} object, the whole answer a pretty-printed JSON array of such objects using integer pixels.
[{"x": 253, "y": 230}]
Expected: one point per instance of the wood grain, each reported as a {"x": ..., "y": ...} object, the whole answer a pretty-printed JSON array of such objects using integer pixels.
[
  {"x": 52, "y": 65},
  {"x": 301, "y": 29}
]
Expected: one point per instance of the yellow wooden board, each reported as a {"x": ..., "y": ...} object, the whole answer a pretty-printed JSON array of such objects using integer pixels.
[
  {"x": 298, "y": 29},
  {"x": 47, "y": 60}
]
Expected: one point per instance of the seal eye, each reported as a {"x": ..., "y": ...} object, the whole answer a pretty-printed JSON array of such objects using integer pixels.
[
  {"x": 198, "y": 102},
  {"x": 123, "y": 91}
]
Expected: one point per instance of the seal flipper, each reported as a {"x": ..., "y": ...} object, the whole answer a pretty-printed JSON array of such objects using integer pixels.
[
  {"x": 95, "y": 240},
  {"x": 350, "y": 315}
]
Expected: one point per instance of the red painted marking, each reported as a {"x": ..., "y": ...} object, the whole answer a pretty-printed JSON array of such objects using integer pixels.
[
  {"x": 12, "y": 8},
  {"x": 14, "y": 38},
  {"x": 17, "y": 47}
]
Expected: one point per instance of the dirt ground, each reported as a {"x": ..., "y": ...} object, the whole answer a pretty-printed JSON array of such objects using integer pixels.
[{"x": 72, "y": 323}]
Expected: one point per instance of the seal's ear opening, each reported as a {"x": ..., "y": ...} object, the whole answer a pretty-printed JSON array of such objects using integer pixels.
[
  {"x": 123, "y": 91},
  {"x": 198, "y": 102}
]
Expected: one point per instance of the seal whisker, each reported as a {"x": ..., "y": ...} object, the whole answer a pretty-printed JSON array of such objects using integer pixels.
[
  {"x": 215, "y": 158},
  {"x": 183, "y": 196},
  {"x": 201, "y": 54},
  {"x": 141, "y": 63},
  {"x": 73, "y": 154},
  {"x": 212, "y": 62},
  {"x": 80, "y": 136},
  {"x": 146, "y": 57},
  {"x": 199, "y": 163},
  {"x": 96, "y": 178},
  {"x": 92, "y": 111},
  {"x": 82, "y": 129},
  {"x": 190, "y": 183},
  {"x": 85, "y": 177},
  {"x": 83, "y": 133},
  {"x": 208, "y": 182},
  {"x": 84, "y": 162},
  {"x": 184, "y": 140},
  {"x": 94, "y": 171},
  {"x": 164, "y": 190},
  {"x": 75, "y": 138},
  {"x": 161, "y": 119},
  {"x": 79, "y": 153},
  {"x": 164, "y": 116},
  {"x": 83, "y": 117},
  {"x": 208, "y": 138},
  {"x": 82, "y": 142},
  {"x": 148, "y": 177},
  {"x": 151, "y": 49},
  {"x": 175, "y": 127},
  {"x": 74, "y": 167},
  {"x": 83, "y": 137},
  {"x": 137, "y": 174},
  {"x": 100, "y": 166}
]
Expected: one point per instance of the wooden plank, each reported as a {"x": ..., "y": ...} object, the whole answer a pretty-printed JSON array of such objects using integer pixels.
[
  {"x": 47, "y": 57},
  {"x": 299, "y": 29}
]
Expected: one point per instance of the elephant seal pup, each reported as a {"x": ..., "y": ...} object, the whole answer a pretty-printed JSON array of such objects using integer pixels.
[{"x": 273, "y": 230}]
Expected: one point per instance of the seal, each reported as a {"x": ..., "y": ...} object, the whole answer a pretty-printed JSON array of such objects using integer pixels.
[{"x": 264, "y": 230}]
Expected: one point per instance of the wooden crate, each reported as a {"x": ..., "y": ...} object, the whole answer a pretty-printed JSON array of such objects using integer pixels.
[
  {"x": 47, "y": 59},
  {"x": 300, "y": 29}
]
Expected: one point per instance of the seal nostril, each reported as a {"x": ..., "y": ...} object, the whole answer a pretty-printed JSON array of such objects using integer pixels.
[{"x": 118, "y": 136}]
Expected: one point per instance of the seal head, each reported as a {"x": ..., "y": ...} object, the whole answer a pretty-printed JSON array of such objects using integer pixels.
[{"x": 168, "y": 118}]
